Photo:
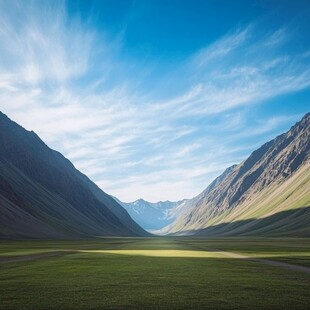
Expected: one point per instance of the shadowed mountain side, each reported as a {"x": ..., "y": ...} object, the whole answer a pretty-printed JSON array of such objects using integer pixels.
[
  {"x": 291, "y": 223},
  {"x": 42, "y": 195}
]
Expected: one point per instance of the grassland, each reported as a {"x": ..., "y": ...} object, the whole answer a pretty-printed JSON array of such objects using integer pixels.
[{"x": 150, "y": 273}]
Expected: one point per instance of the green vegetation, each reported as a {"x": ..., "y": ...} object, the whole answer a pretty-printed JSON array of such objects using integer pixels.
[{"x": 155, "y": 273}]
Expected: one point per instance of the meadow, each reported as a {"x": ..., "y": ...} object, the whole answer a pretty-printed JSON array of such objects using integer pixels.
[{"x": 152, "y": 273}]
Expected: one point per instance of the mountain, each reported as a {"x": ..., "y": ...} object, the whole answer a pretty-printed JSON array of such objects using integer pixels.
[
  {"x": 246, "y": 199},
  {"x": 181, "y": 213},
  {"x": 42, "y": 195},
  {"x": 151, "y": 216}
]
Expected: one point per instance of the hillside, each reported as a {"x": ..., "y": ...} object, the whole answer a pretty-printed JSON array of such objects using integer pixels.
[
  {"x": 42, "y": 195},
  {"x": 273, "y": 179}
]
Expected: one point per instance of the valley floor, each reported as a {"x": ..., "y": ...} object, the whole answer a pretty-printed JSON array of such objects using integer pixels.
[{"x": 163, "y": 272}]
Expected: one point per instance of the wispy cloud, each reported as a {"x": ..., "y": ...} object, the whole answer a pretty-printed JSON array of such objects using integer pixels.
[
  {"x": 222, "y": 47},
  {"x": 238, "y": 70},
  {"x": 66, "y": 81}
]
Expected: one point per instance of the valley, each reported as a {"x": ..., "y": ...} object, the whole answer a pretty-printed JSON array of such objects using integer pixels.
[
  {"x": 154, "y": 154},
  {"x": 66, "y": 244}
]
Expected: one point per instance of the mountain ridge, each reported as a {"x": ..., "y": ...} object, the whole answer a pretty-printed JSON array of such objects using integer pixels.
[
  {"x": 28, "y": 165},
  {"x": 267, "y": 168}
]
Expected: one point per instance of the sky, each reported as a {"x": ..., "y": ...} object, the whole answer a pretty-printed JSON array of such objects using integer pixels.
[{"x": 154, "y": 99}]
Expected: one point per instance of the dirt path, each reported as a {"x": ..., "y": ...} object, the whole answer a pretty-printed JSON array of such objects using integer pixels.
[
  {"x": 283, "y": 265},
  {"x": 32, "y": 257},
  {"x": 267, "y": 262}
]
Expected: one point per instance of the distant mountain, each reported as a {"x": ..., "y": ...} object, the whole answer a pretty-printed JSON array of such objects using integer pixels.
[
  {"x": 246, "y": 198},
  {"x": 152, "y": 216},
  {"x": 42, "y": 195}
]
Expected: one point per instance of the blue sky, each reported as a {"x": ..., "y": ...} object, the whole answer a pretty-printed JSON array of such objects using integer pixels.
[{"x": 154, "y": 99}]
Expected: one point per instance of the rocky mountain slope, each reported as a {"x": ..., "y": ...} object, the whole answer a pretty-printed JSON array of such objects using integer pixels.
[
  {"x": 42, "y": 195},
  {"x": 152, "y": 216},
  {"x": 274, "y": 178}
]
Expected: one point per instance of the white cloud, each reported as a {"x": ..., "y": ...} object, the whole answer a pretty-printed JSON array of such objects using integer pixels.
[
  {"x": 65, "y": 81},
  {"x": 277, "y": 37},
  {"x": 222, "y": 47}
]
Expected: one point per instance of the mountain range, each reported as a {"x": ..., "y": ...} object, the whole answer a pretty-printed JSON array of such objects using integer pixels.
[
  {"x": 266, "y": 194},
  {"x": 42, "y": 195},
  {"x": 152, "y": 216}
]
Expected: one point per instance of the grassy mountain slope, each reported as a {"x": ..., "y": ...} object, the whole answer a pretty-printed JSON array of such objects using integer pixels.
[{"x": 273, "y": 179}]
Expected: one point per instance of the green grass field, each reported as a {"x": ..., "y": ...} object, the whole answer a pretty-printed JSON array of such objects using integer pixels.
[{"x": 155, "y": 273}]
